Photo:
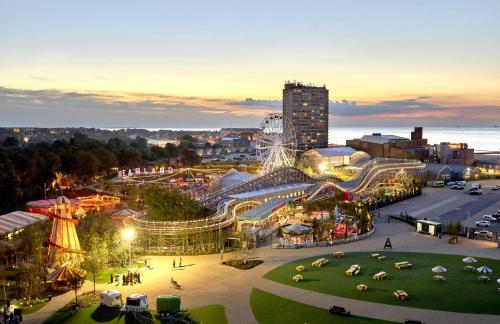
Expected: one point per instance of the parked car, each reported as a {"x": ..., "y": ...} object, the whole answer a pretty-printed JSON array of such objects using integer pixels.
[
  {"x": 462, "y": 183},
  {"x": 457, "y": 187},
  {"x": 476, "y": 192},
  {"x": 483, "y": 223},
  {"x": 495, "y": 187},
  {"x": 484, "y": 234},
  {"x": 489, "y": 218},
  {"x": 451, "y": 183}
]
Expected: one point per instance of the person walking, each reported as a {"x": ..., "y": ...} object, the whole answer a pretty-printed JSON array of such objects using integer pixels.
[
  {"x": 180, "y": 262},
  {"x": 173, "y": 264}
]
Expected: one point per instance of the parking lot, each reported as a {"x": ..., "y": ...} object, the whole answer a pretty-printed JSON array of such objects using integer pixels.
[{"x": 447, "y": 205}]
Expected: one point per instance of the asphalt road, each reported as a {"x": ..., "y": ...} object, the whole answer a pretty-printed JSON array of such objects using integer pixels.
[{"x": 464, "y": 211}]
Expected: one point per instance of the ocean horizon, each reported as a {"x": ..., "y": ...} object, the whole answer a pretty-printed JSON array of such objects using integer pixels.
[{"x": 478, "y": 138}]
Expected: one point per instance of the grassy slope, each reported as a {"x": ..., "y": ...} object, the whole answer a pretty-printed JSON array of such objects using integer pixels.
[
  {"x": 461, "y": 292},
  {"x": 272, "y": 309}
]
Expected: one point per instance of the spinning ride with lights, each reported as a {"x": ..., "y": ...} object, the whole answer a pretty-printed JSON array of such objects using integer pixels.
[{"x": 276, "y": 143}]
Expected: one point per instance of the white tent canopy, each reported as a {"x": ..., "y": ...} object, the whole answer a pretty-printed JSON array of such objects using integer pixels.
[
  {"x": 469, "y": 260},
  {"x": 484, "y": 269},
  {"x": 439, "y": 269}
]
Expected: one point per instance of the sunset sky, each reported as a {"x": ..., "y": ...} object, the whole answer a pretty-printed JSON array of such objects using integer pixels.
[{"x": 197, "y": 63}]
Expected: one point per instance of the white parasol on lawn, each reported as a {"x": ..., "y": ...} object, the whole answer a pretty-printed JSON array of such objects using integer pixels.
[
  {"x": 438, "y": 269},
  {"x": 469, "y": 260},
  {"x": 484, "y": 269}
]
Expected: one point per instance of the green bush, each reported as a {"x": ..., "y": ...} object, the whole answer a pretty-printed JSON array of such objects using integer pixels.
[{"x": 240, "y": 264}]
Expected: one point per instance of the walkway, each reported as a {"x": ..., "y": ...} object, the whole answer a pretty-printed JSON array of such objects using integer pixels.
[
  {"x": 205, "y": 281},
  {"x": 55, "y": 304}
]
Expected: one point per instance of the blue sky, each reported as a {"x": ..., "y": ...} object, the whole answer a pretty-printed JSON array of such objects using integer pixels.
[{"x": 381, "y": 55}]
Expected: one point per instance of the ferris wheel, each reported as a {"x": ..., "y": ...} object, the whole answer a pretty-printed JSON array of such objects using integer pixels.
[{"x": 276, "y": 142}]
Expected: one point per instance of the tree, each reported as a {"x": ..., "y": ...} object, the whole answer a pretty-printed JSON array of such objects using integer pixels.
[
  {"x": 129, "y": 158},
  {"x": 75, "y": 281},
  {"x": 171, "y": 150},
  {"x": 107, "y": 159},
  {"x": 10, "y": 142},
  {"x": 87, "y": 165},
  {"x": 168, "y": 205},
  {"x": 30, "y": 280},
  {"x": 96, "y": 259},
  {"x": 190, "y": 158}
]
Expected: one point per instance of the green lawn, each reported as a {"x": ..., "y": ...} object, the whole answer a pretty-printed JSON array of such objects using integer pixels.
[
  {"x": 211, "y": 314},
  {"x": 105, "y": 275},
  {"x": 461, "y": 292},
  {"x": 272, "y": 309}
]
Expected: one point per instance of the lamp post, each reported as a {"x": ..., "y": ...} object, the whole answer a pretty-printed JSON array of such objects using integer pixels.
[{"x": 128, "y": 234}]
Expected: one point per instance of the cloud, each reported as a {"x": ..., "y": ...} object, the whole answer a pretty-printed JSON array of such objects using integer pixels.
[
  {"x": 250, "y": 102},
  {"x": 51, "y": 108}
]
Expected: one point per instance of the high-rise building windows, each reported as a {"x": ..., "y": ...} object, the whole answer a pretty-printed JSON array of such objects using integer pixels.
[{"x": 307, "y": 107}]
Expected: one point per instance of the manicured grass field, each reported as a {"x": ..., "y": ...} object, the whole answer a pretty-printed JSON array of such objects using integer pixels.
[
  {"x": 211, "y": 314},
  {"x": 461, "y": 292},
  {"x": 272, "y": 309}
]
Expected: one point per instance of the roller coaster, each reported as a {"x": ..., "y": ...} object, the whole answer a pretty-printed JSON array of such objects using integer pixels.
[{"x": 371, "y": 175}]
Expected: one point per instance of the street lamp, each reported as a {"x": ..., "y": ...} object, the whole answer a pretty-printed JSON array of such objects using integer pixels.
[{"x": 128, "y": 234}]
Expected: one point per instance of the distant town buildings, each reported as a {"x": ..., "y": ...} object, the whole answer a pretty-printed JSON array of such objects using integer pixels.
[
  {"x": 307, "y": 107},
  {"x": 391, "y": 146},
  {"x": 455, "y": 153}
]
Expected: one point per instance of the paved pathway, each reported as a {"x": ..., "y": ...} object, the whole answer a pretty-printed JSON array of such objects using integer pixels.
[
  {"x": 204, "y": 281},
  {"x": 54, "y": 305}
]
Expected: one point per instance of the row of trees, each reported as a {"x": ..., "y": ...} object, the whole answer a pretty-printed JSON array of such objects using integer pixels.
[
  {"x": 171, "y": 205},
  {"x": 25, "y": 172}
]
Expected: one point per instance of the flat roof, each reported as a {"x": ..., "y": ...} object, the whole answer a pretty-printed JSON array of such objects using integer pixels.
[
  {"x": 14, "y": 221},
  {"x": 263, "y": 210},
  {"x": 382, "y": 139},
  {"x": 335, "y": 151},
  {"x": 428, "y": 222},
  {"x": 271, "y": 190}
]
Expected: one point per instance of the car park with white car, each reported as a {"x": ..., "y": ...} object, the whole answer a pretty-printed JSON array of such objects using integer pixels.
[
  {"x": 483, "y": 223},
  {"x": 489, "y": 218}
]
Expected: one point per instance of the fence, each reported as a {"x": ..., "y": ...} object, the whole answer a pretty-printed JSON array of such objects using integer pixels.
[{"x": 325, "y": 243}]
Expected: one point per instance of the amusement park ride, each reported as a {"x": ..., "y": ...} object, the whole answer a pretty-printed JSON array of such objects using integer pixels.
[{"x": 276, "y": 149}]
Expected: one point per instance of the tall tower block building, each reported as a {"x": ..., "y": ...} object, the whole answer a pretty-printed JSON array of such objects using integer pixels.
[{"x": 307, "y": 107}]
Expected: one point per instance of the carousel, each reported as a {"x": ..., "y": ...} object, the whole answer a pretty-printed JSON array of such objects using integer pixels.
[
  {"x": 64, "y": 277},
  {"x": 297, "y": 235}
]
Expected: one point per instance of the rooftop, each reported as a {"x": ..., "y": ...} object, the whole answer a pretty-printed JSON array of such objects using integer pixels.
[
  {"x": 383, "y": 139},
  {"x": 264, "y": 210},
  {"x": 14, "y": 221},
  {"x": 335, "y": 151},
  {"x": 270, "y": 191},
  {"x": 232, "y": 178}
]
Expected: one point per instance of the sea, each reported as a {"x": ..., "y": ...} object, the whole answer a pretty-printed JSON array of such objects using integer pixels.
[{"x": 478, "y": 138}]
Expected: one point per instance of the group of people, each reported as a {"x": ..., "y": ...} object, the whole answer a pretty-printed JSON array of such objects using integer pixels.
[
  {"x": 179, "y": 264},
  {"x": 130, "y": 278}
]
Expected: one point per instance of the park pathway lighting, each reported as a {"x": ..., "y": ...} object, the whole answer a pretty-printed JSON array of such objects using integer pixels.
[{"x": 128, "y": 234}]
